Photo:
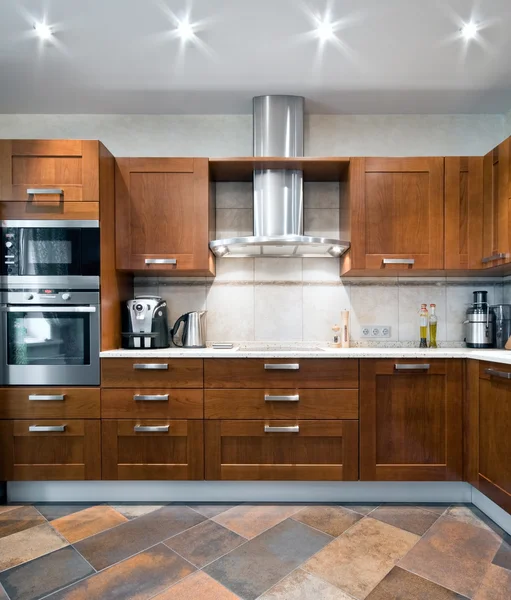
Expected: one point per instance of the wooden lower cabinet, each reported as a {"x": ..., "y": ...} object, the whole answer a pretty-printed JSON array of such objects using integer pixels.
[
  {"x": 43, "y": 449},
  {"x": 149, "y": 449},
  {"x": 411, "y": 420},
  {"x": 315, "y": 451}
]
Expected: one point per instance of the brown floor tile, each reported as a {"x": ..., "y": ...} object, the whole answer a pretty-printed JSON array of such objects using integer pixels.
[
  {"x": 211, "y": 510},
  {"x": 300, "y": 585},
  {"x": 198, "y": 585},
  {"x": 7, "y": 507},
  {"x": 111, "y": 546},
  {"x": 85, "y": 523},
  {"x": 45, "y": 575},
  {"x": 454, "y": 554},
  {"x": 256, "y": 566},
  {"x": 363, "y": 509},
  {"x": 360, "y": 558},
  {"x": 250, "y": 520},
  {"x": 403, "y": 585},
  {"x": 503, "y": 556},
  {"x": 56, "y": 510},
  {"x": 139, "y": 578},
  {"x": 410, "y": 518},
  {"x": 333, "y": 520},
  {"x": 29, "y": 544},
  {"x": 132, "y": 511},
  {"x": 496, "y": 585},
  {"x": 204, "y": 543},
  {"x": 19, "y": 519},
  {"x": 472, "y": 515}
]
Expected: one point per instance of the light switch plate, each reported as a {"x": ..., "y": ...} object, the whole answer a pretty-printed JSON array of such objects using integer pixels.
[{"x": 375, "y": 331}]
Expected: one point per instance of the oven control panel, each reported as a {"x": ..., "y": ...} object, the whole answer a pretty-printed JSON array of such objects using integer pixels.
[
  {"x": 44, "y": 296},
  {"x": 10, "y": 251}
]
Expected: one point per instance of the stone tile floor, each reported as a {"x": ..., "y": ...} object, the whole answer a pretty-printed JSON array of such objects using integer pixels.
[{"x": 249, "y": 551}]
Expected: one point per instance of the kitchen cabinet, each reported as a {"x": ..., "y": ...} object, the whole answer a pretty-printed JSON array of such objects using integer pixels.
[
  {"x": 139, "y": 449},
  {"x": 49, "y": 403},
  {"x": 150, "y": 403},
  {"x": 487, "y": 426},
  {"x": 165, "y": 216},
  {"x": 50, "y": 449},
  {"x": 497, "y": 206},
  {"x": 396, "y": 208},
  {"x": 411, "y": 420},
  {"x": 152, "y": 373}
]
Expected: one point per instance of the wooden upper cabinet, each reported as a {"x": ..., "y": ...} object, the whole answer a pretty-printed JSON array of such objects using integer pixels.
[
  {"x": 396, "y": 214},
  {"x": 463, "y": 212},
  {"x": 497, "y": 206},
  {"x": 70, "y": 166},
  {"x": 164, "y": 216}
]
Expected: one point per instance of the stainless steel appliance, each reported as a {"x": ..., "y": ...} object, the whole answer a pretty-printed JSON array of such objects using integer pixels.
[
  {"x": 502, "y": 314},
  {"x": 480, "y": 322},
  {"x": 145, "y": 323},
  {"x": 194, "y": 330},
  {"x": 66, "y": 251},
  {"x": 49, "y": 335}
]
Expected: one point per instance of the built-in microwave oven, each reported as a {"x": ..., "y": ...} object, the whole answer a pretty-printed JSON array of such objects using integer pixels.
[{"x": 37, "y": 249}]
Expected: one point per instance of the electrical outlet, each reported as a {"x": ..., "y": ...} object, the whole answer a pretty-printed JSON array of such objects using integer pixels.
[{"x": 375, "y": 331}]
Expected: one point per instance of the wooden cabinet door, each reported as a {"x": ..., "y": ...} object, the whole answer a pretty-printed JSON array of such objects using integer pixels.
[
  {"x": 411, "y": 420},
  {"x": 261, "y": 450},
  {"x": 397, "y": 214},
  {"x": 42, "y": 450},
  {"x": 71, "y": 166},
  {"x": 164, "y": 216},
  {"x": 152, "y": 449},
  {"x": 463, "y": 212},
  {"x": 497, "y": 209}
]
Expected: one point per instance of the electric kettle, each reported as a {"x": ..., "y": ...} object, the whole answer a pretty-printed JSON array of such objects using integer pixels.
[{"x": 194, "y": 330}]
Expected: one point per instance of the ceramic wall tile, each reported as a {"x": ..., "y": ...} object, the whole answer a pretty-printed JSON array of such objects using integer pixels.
[
  {"x": 278, "y": 269},
  {"x": 322, "y": 306},
  {"x": 230, "y": 313},
  {"x": 323, "y": 222},
  {"x": 235, "y": 194},
  {"x": 278, "y": 313},
  {"x": 374, "y": 305},
  {"x": 234, "y": 269},
  {"x": 458, "y": 300},
  {"x": 182, "y": 299},
  {"x": 321, "y": 194},
  {"x": 321, "y": 269},
  {"x": 234, "y": 222},
  {"x": 410, "y": 299}
]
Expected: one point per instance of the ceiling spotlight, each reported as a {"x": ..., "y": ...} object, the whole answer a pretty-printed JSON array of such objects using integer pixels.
[
  {"x": 325, "y": 30},
  {"x": 185, "y": 30},
  {"x": 469, "y": 30},
  {"x": 43, "y": 31}
]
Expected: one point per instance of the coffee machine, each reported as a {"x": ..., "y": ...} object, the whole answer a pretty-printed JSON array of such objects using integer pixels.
[
  {"x": 480, "y": 322},
  {"x": 145, "y": 323}
]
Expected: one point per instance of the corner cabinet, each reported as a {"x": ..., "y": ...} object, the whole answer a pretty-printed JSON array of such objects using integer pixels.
[{"x": 165, "y": 216}]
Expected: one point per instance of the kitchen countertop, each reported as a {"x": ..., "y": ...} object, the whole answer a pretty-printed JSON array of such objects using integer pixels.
[{"x": 498, "y": 356}]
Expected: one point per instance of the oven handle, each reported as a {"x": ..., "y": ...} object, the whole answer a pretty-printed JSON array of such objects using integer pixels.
[{"x": 49, "y": 308}]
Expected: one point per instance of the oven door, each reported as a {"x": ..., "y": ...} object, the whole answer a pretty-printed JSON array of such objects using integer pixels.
[{"x": 50, "y": 345}]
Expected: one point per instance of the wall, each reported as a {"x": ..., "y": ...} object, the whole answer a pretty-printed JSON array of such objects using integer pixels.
[{"x": 507, "y": 124}]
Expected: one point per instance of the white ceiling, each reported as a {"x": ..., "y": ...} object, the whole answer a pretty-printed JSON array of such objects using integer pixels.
[{"x": 120, "y": 56}]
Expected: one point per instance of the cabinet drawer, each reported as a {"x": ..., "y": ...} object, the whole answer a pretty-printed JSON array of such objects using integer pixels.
[
  {"x": 496, "y": 371},
  {"x": 49, "y": 403},
  {"x": 280, "y": 373},
  {"x": 44, "y": 449},
  {"x": 152, "y": 449},
  {"x": 151, "y": 403},
  {"x": 153, "y": 373},
  {"x": 282, "y": 450},
  {"x": 281, "y": 404}
]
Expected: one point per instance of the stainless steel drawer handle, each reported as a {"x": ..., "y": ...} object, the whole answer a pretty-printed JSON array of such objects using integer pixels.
[
  {"x": 495, "y": 373},
  {"x": 45, "y": 191},
  {"x": 161, "y": 261},
  {"x": 36, "y": 397},
  {"x": 151, "y": 367},
  {"x": 151, "y": 428},
  {"x": 398, "y": 261},
  {"x": 290, "y": 429},
  {"x": 151, "y": 397},
  {"x": 55, "y": 428},
  {"x": 282, "y": 367},
  {"x": 419, "y": 367},
  {"x": 493, "y": 257},
  {"x": 269, "y": 398}
]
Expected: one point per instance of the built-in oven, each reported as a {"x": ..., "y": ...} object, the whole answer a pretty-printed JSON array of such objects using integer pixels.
[
  {"x": 34, "y": 250},
  {"x": 49, "y": 336}
]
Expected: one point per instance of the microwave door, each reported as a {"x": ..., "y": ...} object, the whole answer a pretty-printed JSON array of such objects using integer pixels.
[{"x": 49, "y": 251}]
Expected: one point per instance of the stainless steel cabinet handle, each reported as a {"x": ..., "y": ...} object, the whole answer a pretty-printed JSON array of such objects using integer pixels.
[
  {"x": 47, "y": 428},
  {"x": 161, "y": 261},
  {"x": 36, "y": 397},
  {"x": 498, "y": 256},
  {"x": 269, "y": 398},
  {"x": 151, "y": 367},
  {"x": 50, "y": 309},
  {"x": 402, "y": 367},
  {"x": 398, "y": 261},
  {"x": 495, "y": 373},
  {"x": 151, "y": 428},
  {"x": 290, "y": 429},
  {"x": 282, "y": 367},
  {"x": 45, "y": 191},
  {"x": 151, "y": 397}
]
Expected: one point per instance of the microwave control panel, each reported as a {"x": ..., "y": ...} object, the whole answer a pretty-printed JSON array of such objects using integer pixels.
[{"x": 10, "y": 254}]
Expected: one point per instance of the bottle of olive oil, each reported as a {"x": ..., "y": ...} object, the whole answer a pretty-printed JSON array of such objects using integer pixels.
[
  {"x": 433, "y": 321},
  {"x": 423, "y": 321}
]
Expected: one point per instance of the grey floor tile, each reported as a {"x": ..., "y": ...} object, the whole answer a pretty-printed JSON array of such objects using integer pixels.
[
  {"x": 56, "y": 510},
  {"x": 211, "y": 510}
]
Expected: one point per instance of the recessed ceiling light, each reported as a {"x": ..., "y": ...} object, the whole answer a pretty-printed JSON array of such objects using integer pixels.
[
  {"x": 325, "y": 30},
  {"x": 469, "y": 30},
  {"x": 185, "y": 30},
  {"x": 43, "y": 31}
]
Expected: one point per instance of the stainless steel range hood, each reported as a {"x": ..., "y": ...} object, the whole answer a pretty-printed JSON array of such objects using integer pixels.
[{"x": 278, "y": 193}]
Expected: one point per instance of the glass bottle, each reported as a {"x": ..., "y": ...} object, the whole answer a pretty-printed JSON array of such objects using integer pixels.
[
  {"x": 423, "y": 321},
  {"x": 433, "y": 321}
]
